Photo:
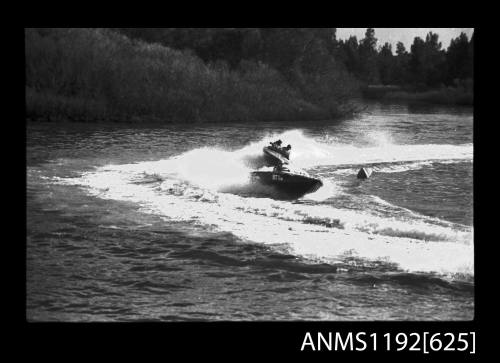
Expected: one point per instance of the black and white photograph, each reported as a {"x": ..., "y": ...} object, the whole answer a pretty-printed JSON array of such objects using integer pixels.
[{"x": 249, "y": 174}]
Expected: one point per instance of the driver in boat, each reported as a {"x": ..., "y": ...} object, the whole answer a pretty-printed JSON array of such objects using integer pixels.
[
  {"x": 276, "y": 144},
  {"x": 286, "y": 150}
]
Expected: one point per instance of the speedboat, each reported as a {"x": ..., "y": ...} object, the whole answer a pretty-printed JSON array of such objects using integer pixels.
[
  {"x": 291, "y": 181},
  {"x": 275, "y": 156}
]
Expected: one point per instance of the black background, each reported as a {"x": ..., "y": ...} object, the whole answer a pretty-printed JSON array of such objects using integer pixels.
[{"x": 174, "y": 341}]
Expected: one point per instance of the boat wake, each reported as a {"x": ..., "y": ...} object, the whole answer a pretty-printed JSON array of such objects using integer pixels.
[{"x": 210, "y": 187}]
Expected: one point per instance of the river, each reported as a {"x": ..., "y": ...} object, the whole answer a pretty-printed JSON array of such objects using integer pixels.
[{"x": 148, "y": 222}]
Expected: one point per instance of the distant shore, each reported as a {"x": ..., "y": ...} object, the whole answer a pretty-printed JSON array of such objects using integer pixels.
[{"x": 462, "y": 96}]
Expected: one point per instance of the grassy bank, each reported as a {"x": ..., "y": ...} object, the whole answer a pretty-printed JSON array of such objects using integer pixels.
[
  {"x": 459, "y": 95},
  {"x": 445, "y": 96},
  {"x": 97, "y": 74}
]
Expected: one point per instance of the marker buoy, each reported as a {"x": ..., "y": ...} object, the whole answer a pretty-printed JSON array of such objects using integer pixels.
[{"x": 364, "y": 173}]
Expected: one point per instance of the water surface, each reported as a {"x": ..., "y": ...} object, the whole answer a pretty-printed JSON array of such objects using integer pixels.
[{"x": 130, "y": 222}]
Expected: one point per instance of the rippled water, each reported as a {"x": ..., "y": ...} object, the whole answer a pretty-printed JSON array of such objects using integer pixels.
[{"x": 161, "y": 223}]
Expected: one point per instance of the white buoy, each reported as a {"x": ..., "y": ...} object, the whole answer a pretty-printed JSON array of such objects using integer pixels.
[{"x": 364, "y": 173}]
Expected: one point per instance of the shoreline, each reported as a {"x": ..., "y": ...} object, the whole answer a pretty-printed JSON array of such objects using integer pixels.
[
  {"x": 459, "y": 96},
  {"x": 148, "y": 120}
]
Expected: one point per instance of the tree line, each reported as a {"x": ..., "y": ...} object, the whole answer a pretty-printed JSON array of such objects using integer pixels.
[
  {"x": 296, "y": 51},
  {"x": 222, "y": 74}
]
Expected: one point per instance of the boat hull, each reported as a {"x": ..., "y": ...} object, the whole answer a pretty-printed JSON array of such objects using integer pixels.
[{"x": 288, "y": 182}]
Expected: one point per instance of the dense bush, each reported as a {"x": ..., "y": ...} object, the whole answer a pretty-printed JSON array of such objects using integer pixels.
[{"x": 100, "y": 74}]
